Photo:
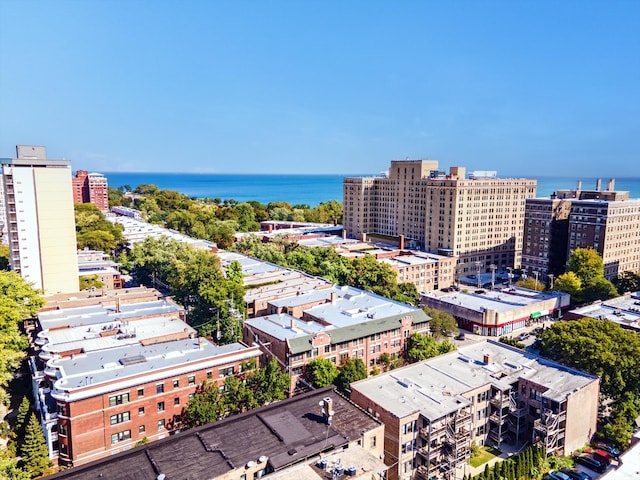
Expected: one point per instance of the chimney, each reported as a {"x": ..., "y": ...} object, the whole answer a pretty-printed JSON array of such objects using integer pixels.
[
  {"x": 401, "y": 242},
  {"x": 486, "y": 359},
  {"x": 333, "y": 296},
  {"x": 117, "y": 304},
  {"x": 200, "y": 343},
  {"x": 598, "y": 184},
  {"x": 344, "y": 234},
  {"x": 611, "y": 185},
  {"x": 327, "y": 409},
  {"x": 364, "y": 237},
  {"x": 270, "y": 228},
  {"x": 579, "y": 186},
  {"x": 292, "y": 323}
]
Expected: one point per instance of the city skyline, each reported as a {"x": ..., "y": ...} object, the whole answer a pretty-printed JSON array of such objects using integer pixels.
[{"x": 534, "y": 88}]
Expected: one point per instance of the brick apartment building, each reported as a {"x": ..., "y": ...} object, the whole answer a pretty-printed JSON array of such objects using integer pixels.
[
  {"x": 311, "y": 436},
  {"x": 109, "y": 374},
  {"x": 477, "y": 219},
  {"x": 91, "y": 188},
  {"x": 605, "y": 220},
  {"x": 337, "y": 323},
  {"x": 487, "y": 393}
]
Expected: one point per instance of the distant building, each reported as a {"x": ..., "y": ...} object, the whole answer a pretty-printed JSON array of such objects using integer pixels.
[
  {"x": 478, "y": 219},
  {"x": 313, "y": 436},
  {"x": 97, "y": 264},
  {"x": 91, "y": 188},
  {"x": 40, "y": 219},
  {"x": 487, "y": 393},
  {"x": 113, "y": 371},
  {"x": 605, "y": 220},
  {"x": 497, "y": 312}
]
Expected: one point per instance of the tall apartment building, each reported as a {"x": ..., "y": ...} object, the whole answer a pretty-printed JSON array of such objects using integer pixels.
[
  {"x": 487, "y": 393},
  {"x": 91, "y": 188},
  {"x": 478, "y": 219},
  {"x": 605, "y": 220},
  {"x": 40, "y": 219}
]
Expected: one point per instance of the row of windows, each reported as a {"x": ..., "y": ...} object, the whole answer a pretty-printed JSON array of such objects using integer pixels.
[{"x": 123, "y": 398}]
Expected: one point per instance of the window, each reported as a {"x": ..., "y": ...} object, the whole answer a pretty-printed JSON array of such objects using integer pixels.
[
  {"x": 209, "y": 375},
  {"x": 120, "y": 437},
  {"x": 176, "y": 383},
  {"x": 160, "y": 388},
  {"x": 120, "y": 418},
  {"x": 226, "y": 372},
  {"x": 141, "y": 392},
  {"x": 409, "y": 427},
  {"x": 118, "y": 399},
  {"x": 141, "y": 429},
  {"x": 192, "y": 396},
  {"x": 176, "y": 401},
  {"x": 141, "y": 411},
  {"x": 61, "y": 408},
  {"x": 192, "y": 380},
  {"x": 161, "y": 406},
  {"x": 374, "y": 441},
  {"x": 161, "y": 424},
  {"x": 62, "y": 430}
]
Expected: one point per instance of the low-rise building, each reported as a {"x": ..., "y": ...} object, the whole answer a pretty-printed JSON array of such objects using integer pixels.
[
  {"x": 337, "y": 323},
  {"x": 95, "y": 263},
  {"x": 487, "y": 393},
  {"x": 311, "y": 436},
  {"x": 624, "y": 310},
  {"x": 106, "y": 376},
  {"x": 497, "y": 312}
]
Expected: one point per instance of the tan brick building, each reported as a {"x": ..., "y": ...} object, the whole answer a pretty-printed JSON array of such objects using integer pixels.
[
  {"x": 487, "y": 393},
  {"x": 477, "y": 219}
]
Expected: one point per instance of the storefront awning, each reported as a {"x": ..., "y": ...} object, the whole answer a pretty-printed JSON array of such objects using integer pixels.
[{"x": 535, "y": 315}]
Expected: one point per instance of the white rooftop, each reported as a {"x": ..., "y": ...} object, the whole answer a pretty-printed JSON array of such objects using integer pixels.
[{"x": 437, "y": 386}]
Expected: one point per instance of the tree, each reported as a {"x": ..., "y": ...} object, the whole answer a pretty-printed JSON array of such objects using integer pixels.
[
  {"x": 627, "y": 282},
  {"x": 421, "y": 347},
  {"x": 441, "y": 324},
  {"x": 587, "y": 264},
  {"x": 5, "y": 257},
  {"x": 18, "y": 301},
  {"x": 321, "y": 372},
  {"x": 353, "y": 370},
  {"x": 272, "y": 383},
  {"x": 204, "y": 407},
  {"x": 531, "y": 283},
  {"x": 599, "y": 289},
  {"x": 569, "y": 283},
  {"x": 23, "y": 414},
  {"x": 95, "y": 232},
  {"x": 35, "y": 456}
]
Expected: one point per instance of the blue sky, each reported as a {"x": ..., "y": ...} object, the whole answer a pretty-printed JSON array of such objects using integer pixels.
[{"x": 522, "y": 87}]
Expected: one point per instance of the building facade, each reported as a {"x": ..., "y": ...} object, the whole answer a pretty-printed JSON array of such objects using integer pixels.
[
  {"x": 478, "y": 219},
  {"x": 41, "y": 220},
  {"x": 605, "y": 220},
  {"x": 91, "y": 188},
  {"x": 487, "y": 393},
  {"x": 113, "y": 370}
]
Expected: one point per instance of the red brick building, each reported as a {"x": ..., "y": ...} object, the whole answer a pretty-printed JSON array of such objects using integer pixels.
[{"x": 91, "y": 188}]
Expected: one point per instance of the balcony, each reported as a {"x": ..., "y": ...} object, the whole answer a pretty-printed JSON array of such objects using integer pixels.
[
  {"x": 429, "y": 453},
  {"x": 429, "y": 432}
]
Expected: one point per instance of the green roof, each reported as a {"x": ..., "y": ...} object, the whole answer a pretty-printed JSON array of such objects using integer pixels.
[{"x": 302, "y": 343}]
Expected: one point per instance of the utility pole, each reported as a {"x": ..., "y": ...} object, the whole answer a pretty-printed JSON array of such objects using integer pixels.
[
  {"x": 551, "y": 277},
  {"x": 478, "y": 264},
  {"x": 509, "y": 275},
  {"x": 493, "y": 275},
  {"x": 536, "y": 275}
]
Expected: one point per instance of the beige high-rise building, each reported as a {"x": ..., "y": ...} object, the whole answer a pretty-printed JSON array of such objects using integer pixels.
[
  {"x": 477, "y": 217},
  {"x": 40, "y": 219}
]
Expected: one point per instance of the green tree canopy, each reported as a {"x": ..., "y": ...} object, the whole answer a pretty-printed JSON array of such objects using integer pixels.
[
  {"x": 95, "y": 232},
  {"x": 627, "y": 282},
  {"x": 587, "y": 264},
  {"x": 571, "y": 284},
  {"x": 353, "y": 370},
  {"x": 35, "y": 456},
  {"x": 321, "y": 372},
  {"x": 442, "y": 324},
  {"x": 421, "y": 347}
]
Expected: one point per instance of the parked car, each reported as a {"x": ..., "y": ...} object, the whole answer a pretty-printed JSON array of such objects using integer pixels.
[
  {"x": 610, "y": 449},
  {"x": 537, "y": 330},
  {"x": 600, "y": 454},
  {"x": 460, "y": 336},
  {"x": 576, "y": 474},
  {"x": 523, "y": 336},
  {"x": 590, "y": 462},
  {"x": 555, "y": 475}
]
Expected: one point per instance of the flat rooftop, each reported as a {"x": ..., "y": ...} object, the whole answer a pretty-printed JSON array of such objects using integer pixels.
[
  {"x": 502, "y": 300},
  {"x": 284, "y": 433},
  {"x": 624, "y": 310},
  {"x": 98, "y": 370},
  {"x": 437, "y": 386},
  {"x": 137, "y": 231}
]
